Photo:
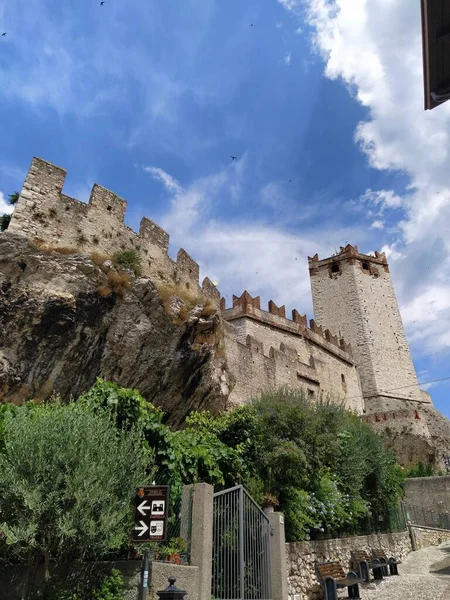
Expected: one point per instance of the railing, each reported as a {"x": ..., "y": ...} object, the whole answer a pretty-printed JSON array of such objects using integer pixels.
[{"x": 425, "y": 517}]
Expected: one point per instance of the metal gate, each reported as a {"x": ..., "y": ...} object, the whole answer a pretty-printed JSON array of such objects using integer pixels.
[{"x": 241, "y": 548}]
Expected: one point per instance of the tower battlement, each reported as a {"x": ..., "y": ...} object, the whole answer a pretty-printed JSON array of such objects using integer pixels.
[
  {"x": 45, "y": 212},
  {"x": 370, "y": 264}
]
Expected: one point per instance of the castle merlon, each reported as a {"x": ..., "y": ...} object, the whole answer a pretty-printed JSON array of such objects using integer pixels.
[
  {"x": 348, "y": 253},
  {"x": 45, "y": 212},
  {"x": 282, "y": 357},
  {"x": 247, "y": 306}
]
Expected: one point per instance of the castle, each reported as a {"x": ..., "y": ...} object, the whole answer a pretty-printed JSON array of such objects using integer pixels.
[{"x": 355, "y": 350}]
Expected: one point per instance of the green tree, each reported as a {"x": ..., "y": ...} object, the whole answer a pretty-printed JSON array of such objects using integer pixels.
[
  {"x": 5, "y": 219},
  {"x": 13, "y": 198},
  {"x": 67, "y": 477}
]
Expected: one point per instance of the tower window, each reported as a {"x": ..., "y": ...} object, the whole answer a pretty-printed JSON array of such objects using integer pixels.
[
  {"x": 335, "y": 268},
  {"x": 109, "y": 208},
  {"x": 343, "y": 382},
  {"x": 343, "y": 378},
  {"x": 310, "y": 394},
  {"x": 365, "y": 266}
]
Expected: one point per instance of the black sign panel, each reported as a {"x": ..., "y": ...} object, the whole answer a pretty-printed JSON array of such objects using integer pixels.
[{"x": 151, "y": 505}]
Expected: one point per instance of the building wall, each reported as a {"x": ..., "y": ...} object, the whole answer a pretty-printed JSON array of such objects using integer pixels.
[
  {"x": 303, "y": 556},
  {"x": 354, "y": 293},
  {"x": 267, "y": 351},
  {"x": 43, "y": 212}
]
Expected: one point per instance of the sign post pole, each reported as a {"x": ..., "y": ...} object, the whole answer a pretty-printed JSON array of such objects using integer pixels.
[
  {"x": 145, "y": 575},
  {"x": 151, "y": 505}
]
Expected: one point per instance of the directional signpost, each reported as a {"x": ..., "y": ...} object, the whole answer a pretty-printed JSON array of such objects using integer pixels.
[{"x": 150, "y": 513}]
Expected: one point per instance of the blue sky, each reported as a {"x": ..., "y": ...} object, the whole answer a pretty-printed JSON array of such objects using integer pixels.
[{"x": 320, "y": 100}]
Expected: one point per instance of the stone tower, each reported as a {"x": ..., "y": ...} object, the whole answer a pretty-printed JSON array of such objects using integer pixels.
[{"x": 353, "y": 294}]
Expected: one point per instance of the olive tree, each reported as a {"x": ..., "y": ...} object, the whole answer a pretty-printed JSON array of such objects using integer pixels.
[{"x": 67, "y": 477}]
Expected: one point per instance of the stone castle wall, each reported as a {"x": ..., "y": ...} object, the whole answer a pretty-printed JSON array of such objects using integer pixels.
[
  {"x": 265, "y": 350},
  {"x": 44, "y": 212},
  {"x": 354, "y": 293}
]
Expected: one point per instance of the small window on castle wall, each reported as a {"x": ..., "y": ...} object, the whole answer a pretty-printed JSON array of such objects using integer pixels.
[
  {"x": 365, "y": 266},
  {"x": 109, "y": 207},
  {"x": 335, "y": 268},
  {"x": 310, "y": 394}
]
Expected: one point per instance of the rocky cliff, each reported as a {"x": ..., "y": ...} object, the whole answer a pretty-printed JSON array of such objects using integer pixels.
[{"x": 66, "y": 319}]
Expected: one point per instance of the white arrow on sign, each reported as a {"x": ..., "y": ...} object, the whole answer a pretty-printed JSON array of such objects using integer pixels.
[
  {"x": 143, "y": 528},
  {"x": 143, "y": 507}
]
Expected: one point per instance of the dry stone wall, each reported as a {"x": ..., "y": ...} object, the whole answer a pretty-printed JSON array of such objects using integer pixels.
[
  {"x": 354, "y": 293},
  {"x": 44, "y": 212},
  {"x": 303, "y": 556},
  {"x": 425, "y": 536}
]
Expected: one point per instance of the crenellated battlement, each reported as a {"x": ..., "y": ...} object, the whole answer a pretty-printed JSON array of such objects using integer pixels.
[
  {"x": 44, "y": 212},
  {"x": 369, "y": 264},
  {"x": 247, "y": 306}
]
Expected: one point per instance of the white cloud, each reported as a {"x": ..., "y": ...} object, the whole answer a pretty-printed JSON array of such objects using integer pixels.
[
  {"x": 169, "y": 182},
  {"x": 287, "y": 58},
  {"x": 258, "y": 255},
  {"x": 292, "y": 5},
  {"x": 374, "y": 47},
  {"x": 382, "y": 198},
  {"x": 377, "y": 225},
  {"x": 5, "y": 207}
]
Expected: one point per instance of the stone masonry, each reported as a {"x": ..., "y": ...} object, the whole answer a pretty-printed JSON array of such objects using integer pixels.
[
  {"x": 354, "y": 293},
  {"x": 265, "y": 351},
  {"x": 44, "y": 213},
  {"x": 302, "y": 558},
  {"x": 355, "y": 351}
]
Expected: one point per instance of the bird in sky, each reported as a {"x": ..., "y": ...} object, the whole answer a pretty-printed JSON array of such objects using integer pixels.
[
  {"x": 3, "y": 34},
  {"x": 233, "y": 157},
  {"x": 251, "y": 24},
  {"x": 290, "y": 180},
  {"x": 102, "y": 3}
]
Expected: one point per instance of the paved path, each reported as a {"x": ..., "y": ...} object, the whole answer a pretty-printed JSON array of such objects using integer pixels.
[{"x": 424, "y": 575}]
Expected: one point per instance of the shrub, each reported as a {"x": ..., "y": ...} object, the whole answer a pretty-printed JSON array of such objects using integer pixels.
[
  {"x": 128, "y": 259},
  {"x": 66, "y": 479},
  {"x": 49, "y": 248},
  {"x": 98, "y": 258},
  {"x": 104, "y": 291},
  {"x": 119, "y": 282},
  {"x": 190, "y": 299},
  {"x": 95, "y": 584}
]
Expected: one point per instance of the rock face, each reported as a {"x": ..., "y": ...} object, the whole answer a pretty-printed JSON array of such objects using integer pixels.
[
  {"x": 65, "y": 320},
  {"x": 425, "y": 439}
]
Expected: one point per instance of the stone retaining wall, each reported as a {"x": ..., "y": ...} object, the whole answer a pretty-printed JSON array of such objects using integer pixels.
[
  {"x": 427, "y": 536},
  {"x": 303, "y": 556}
]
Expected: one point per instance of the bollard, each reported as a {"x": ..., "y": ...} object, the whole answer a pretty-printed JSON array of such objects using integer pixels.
[{"x": 171, "y": 592}]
